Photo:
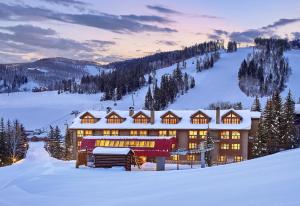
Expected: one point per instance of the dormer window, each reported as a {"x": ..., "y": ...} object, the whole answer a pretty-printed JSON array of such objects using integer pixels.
[
  {"x": 141, "y": 118},
  {"x": 170, "y": 118},
  {"x": 231, "y": 118},
  {"x": 114, "y": 118},
  {"x": 88, "y": 118},
  {"x": 200, "y": 118}
]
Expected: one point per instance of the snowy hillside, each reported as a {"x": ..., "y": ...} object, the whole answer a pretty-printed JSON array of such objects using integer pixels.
[
  {"x": 41, "y": 180},
  {"x": 37, "y": 110}
]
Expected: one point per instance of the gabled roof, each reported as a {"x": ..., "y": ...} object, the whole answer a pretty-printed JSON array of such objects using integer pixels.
[
  {"x": 200, "y": 112},
  {"x": 114, "y": 113},
  {"x": 142, "y": 113},
  {"x": 86, "y": 113},
  {"x": 171, "y": 113},
  {"x": 231, "y": 112}
]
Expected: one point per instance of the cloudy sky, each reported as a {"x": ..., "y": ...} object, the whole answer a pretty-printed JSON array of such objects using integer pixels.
[{"x": 106, "y": 31}]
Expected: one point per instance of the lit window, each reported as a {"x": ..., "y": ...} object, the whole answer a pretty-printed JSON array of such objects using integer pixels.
[
  {"x": 191, "y": 157},
  {"x": 162, "y": 132},
  {"x": 192, "y": 145},
  {"x": 106, "y": 132},
  {"x": 80, "y": 133},
  {"x": 141, "y": 119},
  {"x": 87, "y": 120},
  {"x": 203, "y": 134},
  {"x": 175, "y": 157},
  {"x": 235, "y": 146},
  {"x": 114, "y": 132},
  {"x": 142, "y": 144},
  {"x": 106, "y": 143},
  {"x": 169, "y": 119},
  {"x": 117, "y": 143},
  {"x": 143, "y": 132},
  {"x": 172, "y": 132},
  {"x": 111, "y": 143},
  {"x": 224, "y": 134},
  {"x": 152, "y": 144},
  {"x": 114, "y": 119},
  {"x": 88, "y": 132},
  {"x": 121, "y": 144},
  {"x": 133, "y": 132},
  {"x": 238, "y": 158},
  {"x": 236, "y": 135},
  {"x": 222, "y": 158},
  {"x": 193, "y": 134},
  {"x": 79, "y": 143},
  {"x": 199, "y": 119},
  {"x": 225, "y": 146},
  {"x": 100, "y": 143},
  {"x": 231, "y": 119}
]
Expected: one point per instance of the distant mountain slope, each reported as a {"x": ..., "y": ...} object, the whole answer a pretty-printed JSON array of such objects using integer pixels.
[{"x": 43, "y": 72}]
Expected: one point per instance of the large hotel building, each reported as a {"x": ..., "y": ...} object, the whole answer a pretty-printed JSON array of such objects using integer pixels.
[{"x": 231, "y": 130}]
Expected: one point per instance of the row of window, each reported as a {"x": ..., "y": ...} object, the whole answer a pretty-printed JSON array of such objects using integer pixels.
[
  {"x": 223, "y": 159},
  {"x": 124, "y": 143},
  {"x": 225, "y": 146},
  {"x": 194, "y": 134},
  {"x": 107, "y": 132},
  {"x": 188, "y": 157},
  {"x": 234, "y": 134},
  {"x": 168, "y": 119}
]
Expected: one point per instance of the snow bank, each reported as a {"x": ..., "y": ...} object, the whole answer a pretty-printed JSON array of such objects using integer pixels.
[
  {"x": 272, "y": 180},
  {"x": 113, "y": 151}
]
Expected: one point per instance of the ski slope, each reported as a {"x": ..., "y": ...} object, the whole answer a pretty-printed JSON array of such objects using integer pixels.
[
  {"x": 220, "y": 83},
  {"x": 41, "y": 180}
]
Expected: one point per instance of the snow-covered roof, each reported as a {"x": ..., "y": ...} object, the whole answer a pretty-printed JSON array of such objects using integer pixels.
[
  {"x": 113, "y": 151},
  {"x": 297, "y": 108},
  {"x": 185, "y": 122},
  {"x": 128, "y": 137}
]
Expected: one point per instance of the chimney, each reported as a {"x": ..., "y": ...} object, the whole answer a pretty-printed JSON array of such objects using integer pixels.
[
  {"x": 152, "y": 117},
  {"x": 108, "y": 110},
  {"x": 218, "y": 115},
  {"x": 131, "y": 111}
]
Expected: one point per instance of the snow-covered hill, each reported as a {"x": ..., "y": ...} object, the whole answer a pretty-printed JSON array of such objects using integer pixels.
[
  {"x": 41, "y": 180},
  {"x": 220, "y": 83}
]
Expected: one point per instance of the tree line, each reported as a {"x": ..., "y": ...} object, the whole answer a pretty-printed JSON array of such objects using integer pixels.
[
  {"x": 231, "y": 46},
  {"x": 265, "y": 70},
  {"x": 59, "y": 146},
  {"x": 13, "y": 142},
  {"x": 276, "y": 129},
  {"x": 129, "y": 76},
  {"x": 207, "y": 62},
  {"x": 171, "y": 86}
]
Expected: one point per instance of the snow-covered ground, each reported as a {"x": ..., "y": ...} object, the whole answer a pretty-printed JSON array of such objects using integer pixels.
[
  {"x": 41, "y": 180},
  {"x": 37, "y": 110}
]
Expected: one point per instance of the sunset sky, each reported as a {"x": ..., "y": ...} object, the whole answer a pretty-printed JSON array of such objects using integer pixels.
[{"x": 106, "y": 31}]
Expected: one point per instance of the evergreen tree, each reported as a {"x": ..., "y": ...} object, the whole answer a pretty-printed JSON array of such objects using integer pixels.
[
  {"x": 289, "y": 139},
  {"x": 260, "y": 143},
  {"x": 3, "y": 146},
  {"x": 68, "y": 145},
  {"x": 192, "y": 83},
  {"x": 268, "y": 124},
  {"x": 54, "y": 144},
  {"x": 256, "y": 105},
  {"x": 149, "y": 100},
  {"x": 277, "y": 125},
  {"x": 156, "y": 98},
  {"x": 186, "y": 82}
]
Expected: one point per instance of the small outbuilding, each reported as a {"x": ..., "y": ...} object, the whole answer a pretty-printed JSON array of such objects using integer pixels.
[{"x": 110, "y": 157}]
